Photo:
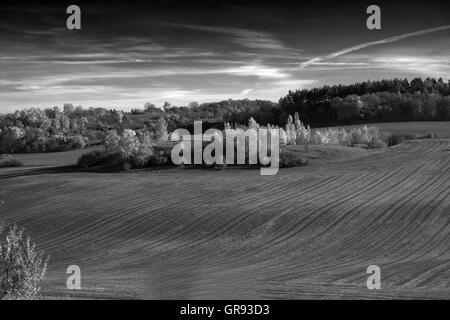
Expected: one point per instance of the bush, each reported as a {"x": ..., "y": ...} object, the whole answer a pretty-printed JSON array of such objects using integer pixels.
[
  {"x": 158, "y": 160},
  {"x": 7, "y": 161},
  {"x": 288, "y": 160},
  {"x": 91, "y": 159},
  {"x": 76, "y": 142},
  {"x": 22, "y": 268},
  {"x": 376, "y": 143},
  {"x": 97, "y": 157},
  {"x": 394, "y": 139}
]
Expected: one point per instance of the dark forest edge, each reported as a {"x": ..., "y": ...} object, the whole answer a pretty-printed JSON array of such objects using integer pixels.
[{"x": 51, "y": 129}]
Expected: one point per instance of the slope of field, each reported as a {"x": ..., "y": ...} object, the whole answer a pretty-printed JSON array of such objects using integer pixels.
[{"x": 308, "y": 232}]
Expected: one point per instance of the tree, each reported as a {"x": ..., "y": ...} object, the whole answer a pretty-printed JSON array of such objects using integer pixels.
[
  {"x": 112, "y": 141},
  {"x": 65, "y": 123},
  {"x": 371, "y": 102},
  {"x": 83, "y": 125},
  {"x": 22, "y": 268},
  {"x": 68, "y": 108},
  {"x": 290, "y": 131},
  {"x": 166, "y": 106},
  {"x": 417, "y": 84},
  {"x": 443, "y": 108},
  {"x": 348, "y": 108},
  {"x": 149, "y": 107},
  {"x": 118, "y": 116},
  {"x": 161, "y": 130},
  {"x": 131, "y": 148},
  {"x": 73, "y": 125},
  {"x": 194, "y": 104}
]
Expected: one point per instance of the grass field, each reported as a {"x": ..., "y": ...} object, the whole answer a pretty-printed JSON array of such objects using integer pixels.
[
  {"x": 65, "y": 158},
  {"x": 308, "y": 232}
]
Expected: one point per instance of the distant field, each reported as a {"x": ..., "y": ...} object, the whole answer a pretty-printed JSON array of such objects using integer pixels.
[
  {"x": 64, "y": 158},
  {"x": 439, "y": 128}
]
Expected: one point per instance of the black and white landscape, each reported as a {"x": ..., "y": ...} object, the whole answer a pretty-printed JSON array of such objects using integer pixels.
[{"x": 99, "y": 100}]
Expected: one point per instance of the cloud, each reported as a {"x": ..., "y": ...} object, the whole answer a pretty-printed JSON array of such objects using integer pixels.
[
  {"x": 260, "y": 71},
  {"x": 246, "y": 38},
  {"x": 425, "y": 66},
  {"x": 370, "y": 44},
  {"x": 326, "y": 63}
]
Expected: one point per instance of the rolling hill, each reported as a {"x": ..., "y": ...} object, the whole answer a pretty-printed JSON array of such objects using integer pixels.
[{"x": 308, "y": 232}]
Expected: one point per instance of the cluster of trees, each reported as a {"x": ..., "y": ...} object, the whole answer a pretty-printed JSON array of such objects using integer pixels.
[
  {"x": 129, "y": 149},
  {"x": 52, "y": 129},
  {"x": 296, "y": 133},
  {"x": 371, "y": 101},
  {"x": 36, "y": 130},
  {"x": 212, "y": 113}
]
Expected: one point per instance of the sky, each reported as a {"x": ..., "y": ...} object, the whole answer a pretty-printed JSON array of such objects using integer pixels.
[{"x": 130, "y": 53}]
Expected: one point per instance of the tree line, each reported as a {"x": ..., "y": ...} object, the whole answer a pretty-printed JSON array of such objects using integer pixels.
[
  {"x": 371, "y": 101},
  {"x": 53, "y": 129}
]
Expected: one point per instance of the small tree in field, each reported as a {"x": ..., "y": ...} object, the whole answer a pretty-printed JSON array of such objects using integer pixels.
[{"x": 22, "y": 268}]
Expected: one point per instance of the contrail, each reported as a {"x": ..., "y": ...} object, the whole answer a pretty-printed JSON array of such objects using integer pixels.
[{"x": 370, "y": 44}]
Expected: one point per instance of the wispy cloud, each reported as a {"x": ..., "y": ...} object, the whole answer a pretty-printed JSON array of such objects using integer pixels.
[
  {"x": 339, "y": 64},
  {"x": 258, "y": 70},
  {"x": 243, "y": 37},
  {"x": 438, "y": 66}
]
